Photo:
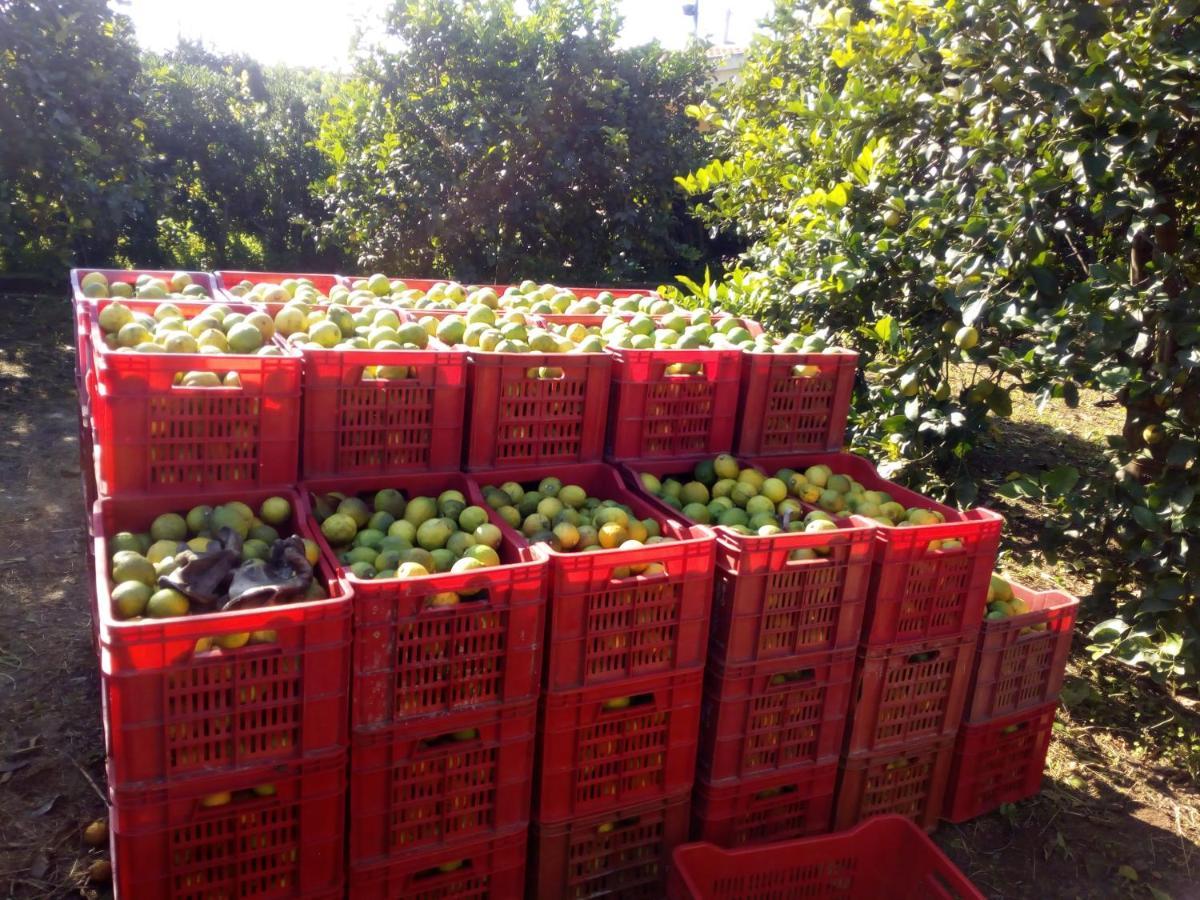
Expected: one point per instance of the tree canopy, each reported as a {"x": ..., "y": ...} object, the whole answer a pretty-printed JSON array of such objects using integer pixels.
[
  {"x": 496, "y": 144},
  {"x": 985, "y": 198}
]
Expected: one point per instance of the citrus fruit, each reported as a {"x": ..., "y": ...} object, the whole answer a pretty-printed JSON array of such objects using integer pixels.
[
  {"x": 167, "y": 603},
  {"x": 275, "y": 511},
  {"x": 339, "y": 529},
  {"x": 130, "y": 598}
]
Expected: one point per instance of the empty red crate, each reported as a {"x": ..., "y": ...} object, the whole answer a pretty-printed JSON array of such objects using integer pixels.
[
  {"x": 169, "y": 843},
  {"x": 156, "y": 436},
  {"x": 767, "y": 605},
  {"x": 909, "y": 693},
  {"x": 1021, "y": 660},
  {"x": 774, "y": 807},
  {"x": 655, "y": 414},
  {"x": 490, "y": 869},
  {"x": 885, "y": 857},
  {"x": 535, "y": 408},
  {"x": 601, "y": 748},
  {"x": 781, "y": 411},
  {"x": 997, "y": 762},
  {"x": 624, "y": 853},
  {"x": 760, "y": 718},
  {"x": 174, "y": 710},
  {"x": 460, "y": 777},
  {"x": 357, "y": 426},
  {"x": 227, "y": 279},
  {"x": 606, "y": 623},
  {"x": 910, "y": 782},
  {"x": 129, "y": 276},
  {"x": 413, "y": 659},
  {"x": 918, "y": 590}
]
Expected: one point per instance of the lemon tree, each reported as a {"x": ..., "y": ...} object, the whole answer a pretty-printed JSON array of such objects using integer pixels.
[{"x": 986, "y": 198}]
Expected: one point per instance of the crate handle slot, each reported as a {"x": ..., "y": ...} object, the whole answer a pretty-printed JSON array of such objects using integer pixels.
[
  {"x": 208, "y": 389},
  {"x": 446, "y": 868},
  {"x": 697, "y": 372},
  {"x": 364, "y": 378},
  {"x": 238, "y": 797},
  {"x": 445, "y": 605},
  {"x": 775, "y": 792},
  {"x": 208, "y": 647},
  {"x": 923, "y": 657},
  {"x": 618, "y": 824},
  {"x": 640, "y": 577},
  {"x": 1014, "y": 728},
  {"x": 801, "y": 372},
  {"x": 450, "y": 738},
  {"x": 546, "y": 373},
  {"x": 797, "y": 677},
  {"x": 620, "y": 704},
  {"x": 816, "y": 561}
]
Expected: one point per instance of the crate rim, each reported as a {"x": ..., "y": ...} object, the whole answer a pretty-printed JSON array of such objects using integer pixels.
[
  {"x": 112, "y": 627},
  {"x": 525, "y": 561}
]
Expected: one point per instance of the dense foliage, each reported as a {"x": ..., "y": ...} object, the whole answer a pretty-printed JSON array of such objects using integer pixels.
[
  {"x": 1008, "y": 184},
  {"x": 182, "y": 159},
  {"x": 233, "y": 158},
  {"x": 497, "y": 145},
  {"x": 493, "y": 143},
  {"x": 71, "y": 143}
]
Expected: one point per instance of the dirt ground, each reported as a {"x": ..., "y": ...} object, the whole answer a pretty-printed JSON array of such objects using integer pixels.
[{"x": 1118, "y": 816}]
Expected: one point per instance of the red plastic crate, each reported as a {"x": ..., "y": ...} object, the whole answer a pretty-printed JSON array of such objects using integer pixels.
[
  {"x": 918, "y": 592},
  {"x": 760, "y": 718},
  {"x": 909, "y": 693},
  {"x": 604, "y": 625},
  {"x": 654, "y": 415},
  {"x": 167, "y": 845},
  {"x": 766, "y": 605},
  {"x": 204, "y": 279},
  {"x": 781, "y": 412},
  {"x": 593, "y": 759},
  {"x": 1016, "y": 668},
  {"x": 173, "y": 712},
  {"x": 492, "y": 869},
  {"x": 227, "y": 279},
  {"x": 81, "y": 319},
  {"x": 622, "y": 854},
  {"x": 516, "y": 418},
  {"x": 775, "y": 807},
  {"x": 156, "y": 436},
  {"x": 910, "y": 782},
  {"x": 885, "y": 857},
  {"x": 417, "y": 786},
  {"x": 382, "y": 426},
  {"x": 413, "y": 660},
  {"x": 997, "y": 762}
]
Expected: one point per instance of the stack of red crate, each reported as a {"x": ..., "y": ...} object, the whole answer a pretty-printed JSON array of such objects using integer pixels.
[
  {"x": 442, "y": 716},
  {"x": 225, "y": 733},
  {"x": 913, "y": 669},
  {"x": 1000, "y": 751},
  {"x": 619, "y": 713},
  {"x": 780, "y": 665},
  {"x": 226, "y": 755}
]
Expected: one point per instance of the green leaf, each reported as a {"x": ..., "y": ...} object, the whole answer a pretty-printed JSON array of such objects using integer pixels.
[
  {"x": 883, "y": 328},
  {"x": 1109, "y": 630},
  {"x": 972, "y": 311},
  {"x": 1061, "y": 480},
  {"x": 999, "y": 401},
  {"x": 1144, "y": 517}
]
